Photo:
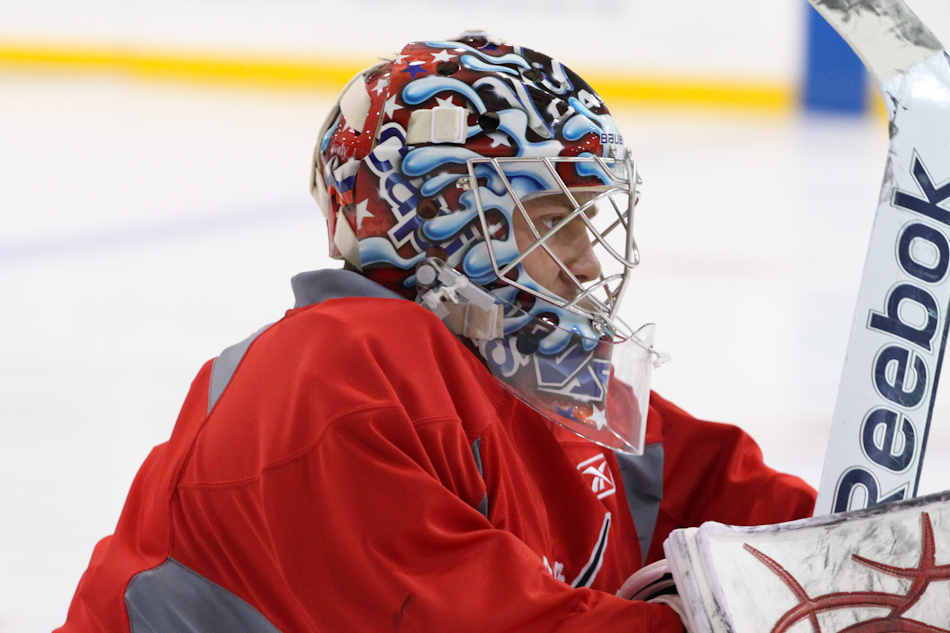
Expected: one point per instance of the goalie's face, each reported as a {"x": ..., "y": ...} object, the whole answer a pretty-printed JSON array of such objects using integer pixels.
[{"x": 570, "y": 243}]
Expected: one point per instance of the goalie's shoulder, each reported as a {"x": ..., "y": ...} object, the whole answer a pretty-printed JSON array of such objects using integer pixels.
[{"x": 668, "y": 422}]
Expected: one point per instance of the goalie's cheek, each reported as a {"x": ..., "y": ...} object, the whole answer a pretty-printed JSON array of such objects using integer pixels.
[{"x": 571, "y": 244}]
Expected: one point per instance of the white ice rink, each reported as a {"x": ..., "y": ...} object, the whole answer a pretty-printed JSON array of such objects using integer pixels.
[{"x": 146, "y": 226}]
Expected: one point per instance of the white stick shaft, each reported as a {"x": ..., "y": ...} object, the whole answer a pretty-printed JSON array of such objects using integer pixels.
[
  {"x": 895, "y": 352},
  {"x": 885, "y": 34}
]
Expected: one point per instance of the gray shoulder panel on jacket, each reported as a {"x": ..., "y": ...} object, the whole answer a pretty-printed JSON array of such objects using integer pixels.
[
  {"x": 309, "y": 288},
  {"x": 319, "y": 285},
  {"x": 643, "y": 484},
  {"x": 226, "y": 364},
  {"x": 172, "y": 597}
]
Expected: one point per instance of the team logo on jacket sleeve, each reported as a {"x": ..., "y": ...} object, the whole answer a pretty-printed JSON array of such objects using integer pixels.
[{"x": 598, "y": 475}]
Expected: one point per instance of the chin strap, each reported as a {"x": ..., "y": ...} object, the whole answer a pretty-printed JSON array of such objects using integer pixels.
[
  {"x": 465, "y": 308},
  {"x": 452, "y": 285}
]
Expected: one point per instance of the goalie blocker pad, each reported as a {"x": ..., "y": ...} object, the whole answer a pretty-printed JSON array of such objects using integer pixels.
[{"x": 882, "y": 569}]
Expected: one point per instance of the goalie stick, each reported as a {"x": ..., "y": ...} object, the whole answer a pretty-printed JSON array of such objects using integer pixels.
[{"x": 889, "y": 381}]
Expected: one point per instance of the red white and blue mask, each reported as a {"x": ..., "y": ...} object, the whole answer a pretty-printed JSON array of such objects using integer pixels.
[{"x": 437, "y": 172}]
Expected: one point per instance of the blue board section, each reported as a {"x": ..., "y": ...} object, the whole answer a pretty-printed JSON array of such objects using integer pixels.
[{"x": 835, "y": 78}]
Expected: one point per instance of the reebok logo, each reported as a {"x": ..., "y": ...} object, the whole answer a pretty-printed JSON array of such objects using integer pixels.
[{"x": 599, "y": 476}]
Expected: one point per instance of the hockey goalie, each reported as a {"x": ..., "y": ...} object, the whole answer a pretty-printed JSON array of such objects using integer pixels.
[{"x": 455, "y": 431}]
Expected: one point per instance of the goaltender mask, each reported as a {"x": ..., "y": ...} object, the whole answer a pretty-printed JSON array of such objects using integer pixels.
[{"x": 455, "y": 432}]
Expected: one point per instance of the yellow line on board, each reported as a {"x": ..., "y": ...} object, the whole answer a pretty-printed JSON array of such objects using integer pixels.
[
  {"x": 313, "y": 74},
  {"x": 760, "y": 96},
  {"x": 332, "y": 74}
]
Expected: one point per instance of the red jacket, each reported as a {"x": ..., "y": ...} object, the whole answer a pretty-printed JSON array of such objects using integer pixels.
[{"x": 363, "y": 471}]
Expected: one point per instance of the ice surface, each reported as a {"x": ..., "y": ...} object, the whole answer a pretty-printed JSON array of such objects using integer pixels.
[{"x": 145, "y": 227}]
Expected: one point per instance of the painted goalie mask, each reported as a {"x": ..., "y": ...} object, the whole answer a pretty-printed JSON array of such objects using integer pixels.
[{"x": 489, "y": 183}]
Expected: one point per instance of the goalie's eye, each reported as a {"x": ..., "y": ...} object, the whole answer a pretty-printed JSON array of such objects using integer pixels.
[
  {"x": 548, "y": 222},
  {"x": 546, "y": 217}
]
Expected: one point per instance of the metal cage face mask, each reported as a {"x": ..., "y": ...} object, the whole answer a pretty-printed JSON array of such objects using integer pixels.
[{"x": 554, "y": 228}]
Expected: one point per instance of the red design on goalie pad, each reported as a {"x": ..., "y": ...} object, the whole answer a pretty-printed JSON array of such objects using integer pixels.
[{"x": 926, "y": 572}]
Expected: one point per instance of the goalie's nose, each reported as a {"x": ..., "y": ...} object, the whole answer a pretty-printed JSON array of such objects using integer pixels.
[
  {"x": 579, "y": 256},
  {"x": 582, "y": 261}
]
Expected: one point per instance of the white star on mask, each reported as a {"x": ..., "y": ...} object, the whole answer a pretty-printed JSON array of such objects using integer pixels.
[
  {"x": 361, "y": 213},
  {"x": 499, "y": 138},
  {"x": 441, "y": 56},
  {"x": 391, "y": 106},
  {"x": 445, "y": 102},
  {"x": 598, "y": 417},
  {"x": 381, "y": 85}
]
